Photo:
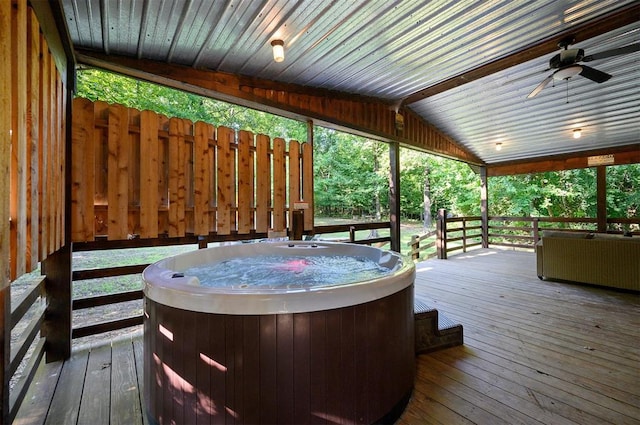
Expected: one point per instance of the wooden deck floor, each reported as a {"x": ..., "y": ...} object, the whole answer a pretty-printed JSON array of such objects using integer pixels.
[{"x": 535, "y": 353}]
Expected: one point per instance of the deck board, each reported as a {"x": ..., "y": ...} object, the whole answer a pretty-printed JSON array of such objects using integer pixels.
[{"x": 535, "y": 352}]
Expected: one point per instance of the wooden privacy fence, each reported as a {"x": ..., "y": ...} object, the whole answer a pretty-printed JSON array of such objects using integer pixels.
[
  {"x": 138, "y": 174},
  {"x": 32, "y": 144}
]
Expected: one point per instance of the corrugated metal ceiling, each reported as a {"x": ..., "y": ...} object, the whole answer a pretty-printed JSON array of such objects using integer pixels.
[{"x": 390, "y": 50}]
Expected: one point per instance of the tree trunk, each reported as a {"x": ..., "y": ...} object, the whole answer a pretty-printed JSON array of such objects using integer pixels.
[{"x": 426, "y": 214}]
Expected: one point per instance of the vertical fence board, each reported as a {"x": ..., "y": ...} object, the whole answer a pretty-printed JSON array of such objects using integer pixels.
[
  {"x": 133, "y": 175},
  {"x": 263, "y": 184},
  {"x": 245, "y": 182},
  {"x": 18, "y": 112},
  {"x": 50, "y": 149},
  {"x": 187, "y": 161},
  {"x": 203, "y": 132},
  {"x": 213, "y": 184},
  {"x": 294, "y": 176},
  {"x": 307, "y": 183},
  {"x": 82, "y": 172},
  {"x": 162, "y": 203},
  {"x": 33, "y": 101},
  {"x": 225, "y": 188},
  {"x": 43, "y": 125},
  {"x": 148, "y": 174},
  {"x": 5, "y": 141},
  {"x": 118, "y": 173},
  {"x": 60, "y": 161},
  {"x": 233, "y": 152},
  {"x": 176, "y": 139},
  {"x": 279, "y": 185}
]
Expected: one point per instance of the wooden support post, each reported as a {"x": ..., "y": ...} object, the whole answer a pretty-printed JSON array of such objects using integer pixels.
[
  {"x": 394, "y": 195},
  {"x": 441, "y": 234},
  {"x": 536, "y": 230},
  {"x": 464, "y": 234},
  {"x": 484, "y": 206},
  {"x": 5, "y": 350},
  {"x": 5, "y": 161},
  {"x": 352, "y": 234},
  {"x": 601, "y": 196},
  {"x": 415, "y": 246},
  {"x": 297, "y": 225},
  {"x": 57, "y": 324}
]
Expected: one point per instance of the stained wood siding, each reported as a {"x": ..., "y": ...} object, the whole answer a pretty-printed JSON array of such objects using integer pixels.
[
  {"x": 140, "y": 174},
  {"x": 32, "y": 144}
]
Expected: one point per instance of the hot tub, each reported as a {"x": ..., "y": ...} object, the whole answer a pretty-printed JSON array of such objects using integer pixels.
[{"x": 297, "y": 353}]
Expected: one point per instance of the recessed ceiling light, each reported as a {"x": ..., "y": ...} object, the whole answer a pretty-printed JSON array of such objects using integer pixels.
[
  {"x": 498, "y": 146},
  {"x": 577, "y": 133}
]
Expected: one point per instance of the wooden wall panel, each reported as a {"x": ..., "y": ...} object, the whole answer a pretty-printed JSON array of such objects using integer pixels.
[
  {"x": 118, "y": 173},
  {"x": 149, "y": 178},
  {"x": 142, "y": 175},
  {"x": 18, "y": 198},
  {"x": 33, "y": 138},
  {"x": 32, "y": 128},
  {"x": 279, "y": 185},
  {"x": 294, "y": 175},
  {"x": 263, "y": 183},
  {"x": 5, "y": 142},
  {"x": 225, "y": 188},
  {"x": 307, "y": 184},
  {"x": 83, "y": 172},
  {"x": 176, "y": 178},
  {"x": 202, "y": 169},
  {"x": 245, "y": 182}
]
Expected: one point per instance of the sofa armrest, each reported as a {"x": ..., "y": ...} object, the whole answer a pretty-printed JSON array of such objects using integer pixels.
[{"x": 539, "y": 264}]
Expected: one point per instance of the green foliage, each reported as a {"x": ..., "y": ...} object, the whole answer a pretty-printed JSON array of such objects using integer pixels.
[{"x": 113, "y": 88}]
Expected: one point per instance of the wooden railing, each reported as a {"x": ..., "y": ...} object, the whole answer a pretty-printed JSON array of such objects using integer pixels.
[
  {"x": 89, "y": 302},
  {"x": 461, "y": 233},
  {"x": 28, "y": 316}
]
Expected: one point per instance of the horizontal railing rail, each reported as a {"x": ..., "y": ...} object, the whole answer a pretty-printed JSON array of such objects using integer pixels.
[
  {"x": 26, "y": 308},
  {"x": 461, "y": 233},
  {"x": 351, "y": 235},
  {"x": 418, "y": 247}
]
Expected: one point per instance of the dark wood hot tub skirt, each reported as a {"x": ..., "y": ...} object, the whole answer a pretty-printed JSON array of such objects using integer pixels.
[{"x": 348, "y": 365}]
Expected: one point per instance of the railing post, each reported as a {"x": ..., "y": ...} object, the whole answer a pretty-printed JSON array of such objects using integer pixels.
[
  {"x": 415, "y": 245},
  {"x": 536, "y": 231},
  {"x": 57, "y": 324},
  {"x": 464, "y": 234},
  {"x": 352, "y": 234},
  {"x": 297, "y": 225},
  {"x": 441, "y": 234},
  {"x": 484, "y": 206}
]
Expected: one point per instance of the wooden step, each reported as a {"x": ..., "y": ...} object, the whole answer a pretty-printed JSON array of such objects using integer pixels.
[{"x": 434, "y": 331}]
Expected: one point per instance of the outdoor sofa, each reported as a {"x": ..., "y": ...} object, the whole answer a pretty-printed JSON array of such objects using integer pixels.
[{"x": 592, "y": 258}]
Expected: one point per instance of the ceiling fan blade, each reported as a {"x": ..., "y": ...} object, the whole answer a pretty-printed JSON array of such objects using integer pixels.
[
  {"x": 613, "y": 52},
  {"x": 540, "y": 86},
  {"x": 594, "y": 74}
]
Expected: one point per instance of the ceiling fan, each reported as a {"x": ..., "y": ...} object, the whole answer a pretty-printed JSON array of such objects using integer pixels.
[{"x": 566, "y": 64}]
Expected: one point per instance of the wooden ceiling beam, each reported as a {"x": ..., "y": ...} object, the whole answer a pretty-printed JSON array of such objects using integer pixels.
[
  {"x": 367, "y": 116},
  {"x": 628, "y": 154},
  {"x": 624, "y": 16}
]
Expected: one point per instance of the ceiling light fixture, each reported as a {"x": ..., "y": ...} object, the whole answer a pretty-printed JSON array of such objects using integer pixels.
[
  {"x": 577, "y": 133},
  {"x": 278, "y": 50},
  {"x": 498, "y": 146},
  {"x": 568, "y": 72}
]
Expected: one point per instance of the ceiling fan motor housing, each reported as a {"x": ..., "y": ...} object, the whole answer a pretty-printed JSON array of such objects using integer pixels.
[{"x": 566, "y": 57}]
